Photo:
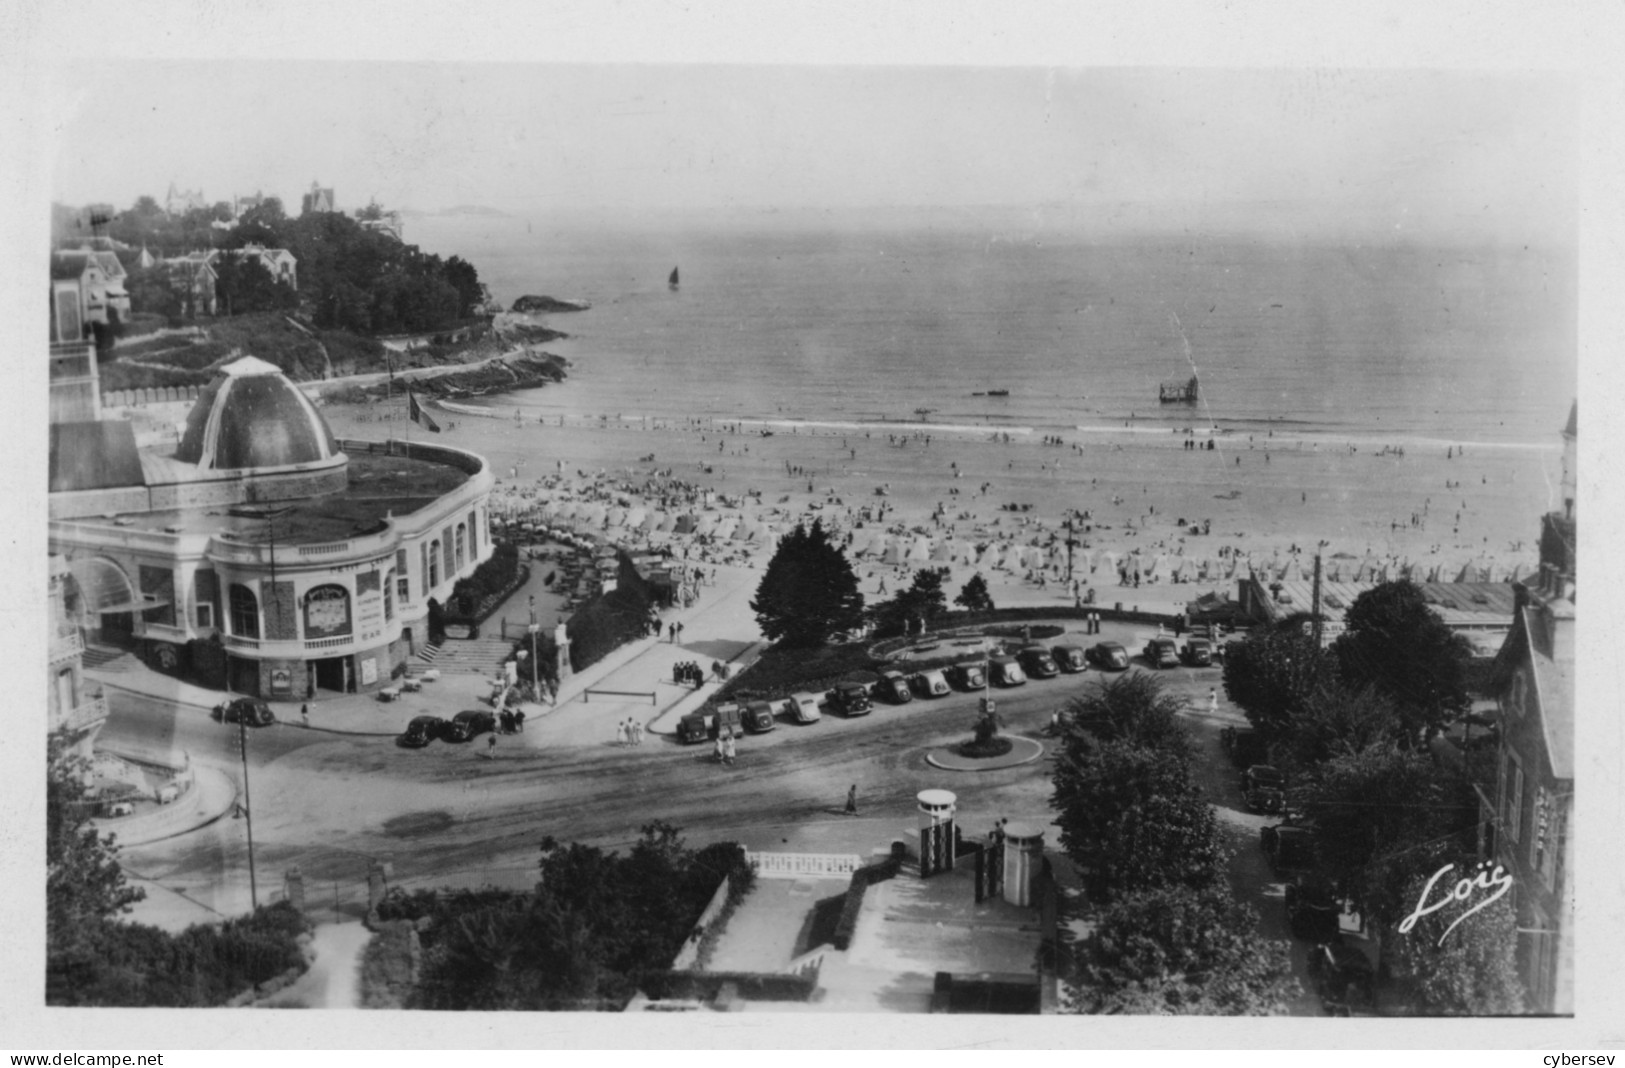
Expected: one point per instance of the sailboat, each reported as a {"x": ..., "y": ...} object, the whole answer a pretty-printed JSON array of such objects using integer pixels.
[{"x": 672, "y": 281}]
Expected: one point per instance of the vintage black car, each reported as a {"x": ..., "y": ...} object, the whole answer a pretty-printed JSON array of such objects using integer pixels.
[
  {"x": 249, "y": 710},
  {"x": 1108, "y": 656},
  {"x": 758, "y": 717},
  {"x": 1069, "y": 658},
  {"x": 1198, "y": 652},
  {"x": 1005, "y": 670},
  {"x": 894, "y": 688},
  {"x": 1291, "y": 849},
  {"x": 852, "y": 698},
  {"x": 1264, "y": 789},
  {"x": 1312, "y": 909},
  {"x": 968, "y": 677},
  {"x": 465, "y": 725},
  {"x": 421, "y": 731},
  {"x": 1038, "y": 662},
  {"x": 1161, "y": 653}
]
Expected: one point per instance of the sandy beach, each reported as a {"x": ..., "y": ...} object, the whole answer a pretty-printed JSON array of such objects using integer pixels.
[{"x": 975, "y": 502}]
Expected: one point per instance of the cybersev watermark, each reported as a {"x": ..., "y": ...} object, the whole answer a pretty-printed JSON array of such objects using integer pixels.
[{"x": 1487, "y": 879}]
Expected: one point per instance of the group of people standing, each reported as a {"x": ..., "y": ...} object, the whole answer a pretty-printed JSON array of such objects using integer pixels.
[
  {"x": 723, "y": 748},
  {"x": 688, "y": 672},
  {"x": 628, "y": 732}
]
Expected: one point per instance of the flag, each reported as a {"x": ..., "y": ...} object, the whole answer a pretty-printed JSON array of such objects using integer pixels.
[{"x": 417, "y": 414}]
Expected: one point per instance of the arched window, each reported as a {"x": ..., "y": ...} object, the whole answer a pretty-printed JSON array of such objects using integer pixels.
[
  {"x": 245, "y": 612},
  {"x": 462, "y": 538},
  {"x": 434, "y": 563}
]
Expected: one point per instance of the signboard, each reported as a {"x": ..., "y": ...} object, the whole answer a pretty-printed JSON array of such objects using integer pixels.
[
  {"x": 369, "y": 671},
  {"x": 327, "y": 612},
  {"x": 369, "y": 605},
  {"x": 281, "y": 680}
]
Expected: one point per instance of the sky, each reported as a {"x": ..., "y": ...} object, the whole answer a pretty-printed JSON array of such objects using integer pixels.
[{"x": 1360, "y": 150}]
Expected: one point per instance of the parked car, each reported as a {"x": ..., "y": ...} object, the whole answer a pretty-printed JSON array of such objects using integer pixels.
[
  {"x": 804, "y": 707},
  {"x": 894, "y": 687},
  {"x": 1069, "y": 658},
  {"x": 1312, "y": 910},
  {"x": 694, "y": 727},
  {"x": 758, "y": 717},
  {"x": 852, "y": 698},
  {"x": 1037, "y": 662},
  {"x": 1108, "y": 656},
  {"x": 249, "y": 710},
  {"x": 465, "y": 725},
  {"x": 1244, "y": 745},
  {"x": 1291, "y": 849},
  {"x": 421, "y": 731},
  {"x": 930, "y": 684},
  {"x": 968, "y": 677},
  {"x": 1198, "y": 652},
  {"x": 1005, "y": 670},
  {"x": 1264, "y": 789},
  {"x": 1343, "y": 977},
  {"x": 1161, "y": 653}
]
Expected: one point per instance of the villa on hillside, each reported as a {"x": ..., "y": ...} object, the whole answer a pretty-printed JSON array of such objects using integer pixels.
[{"x": 320, "y": 198}]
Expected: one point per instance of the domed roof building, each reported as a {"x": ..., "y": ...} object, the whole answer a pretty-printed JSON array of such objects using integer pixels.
[
  {"x": 259, "y": 552},
  {"x": 251, "y": 416}
]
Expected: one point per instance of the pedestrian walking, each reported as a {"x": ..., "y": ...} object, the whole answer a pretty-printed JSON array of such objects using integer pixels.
[
  {"x": 620, "y": 734},
  {"x": 491, "y": 746},
  {"x": 637, "y": 733},
  {"x": 671, "y": 633},
  {"x": 716, "y": 749},
  {"x": 728, "y": 749},
  {"x": 519, "y": 720},
  {"x": 304, "y": 714},
  {"x": 1213, "y": 701},
  {"x": 852, "y": 800}
]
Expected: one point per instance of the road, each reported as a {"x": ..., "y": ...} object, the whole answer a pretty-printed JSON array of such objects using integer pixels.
[{"x": 452, "y": 815}]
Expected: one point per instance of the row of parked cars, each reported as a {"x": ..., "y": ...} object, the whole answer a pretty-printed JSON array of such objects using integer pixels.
[
  {"x": 460, "y": 728},
  {"x": 1341, "y": 971}
]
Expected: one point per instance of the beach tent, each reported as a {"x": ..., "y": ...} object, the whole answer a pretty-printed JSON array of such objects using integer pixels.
[
  {"x": 1466, "y": 573},
  {"x": 944, "y": 552},
  {"x": 684, "y": 524},
  {"x": 634, "y": 518},
  {"x": 724, "y": 528},
  {"x": 920, "y": 551},
  {"x": 988, "y": 557},
  {"x": 707, "y": 524}
]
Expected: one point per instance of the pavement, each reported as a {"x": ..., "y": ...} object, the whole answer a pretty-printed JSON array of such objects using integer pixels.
[{"x": 718, "y": 627}]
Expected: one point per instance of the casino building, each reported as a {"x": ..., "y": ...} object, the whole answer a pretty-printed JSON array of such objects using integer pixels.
[{"x": 254, "y": 549}]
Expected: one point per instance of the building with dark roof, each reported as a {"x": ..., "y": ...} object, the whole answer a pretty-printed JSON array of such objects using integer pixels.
[
  {"x": 1525, "y": 826},
  {"x": 295, "y": 562}
]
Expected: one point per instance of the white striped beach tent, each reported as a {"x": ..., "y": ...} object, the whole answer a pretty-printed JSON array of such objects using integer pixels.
[
  {"x": 707, "y": 524},
  {"x": 893, "y": 553},
  {"x": 920, "y": 551},
  {"x": 943, "y": 552},
  {"x": 1467, "y": 572},
  {"x": 989, "y": 556},
  {"x": 685, "y": 524},
  {"x": 634, "y": 517},
  {"x": 724, "y": 529}
]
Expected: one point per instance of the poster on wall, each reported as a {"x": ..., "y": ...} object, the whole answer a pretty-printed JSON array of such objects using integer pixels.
[
  {"x": 369, "y": 671},
  {"x": 327, "y": 612},
  {"x": 281, "y": 680}
]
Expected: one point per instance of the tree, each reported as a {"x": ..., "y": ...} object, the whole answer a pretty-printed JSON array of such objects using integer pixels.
[
  {"x": 1472, "y": 970},
  {"x": 1271, "y": 674},
  {"x": 1132, "y": 707},
  {"x": 84, "y": 886},
  {"x": 921, "y": 603},
  {"x": 1394, "y": 642},
  {"x": 1176, "y": 950},
  {"x": 1382, "y": 814},
  {"x": 808, "y": 592},
  {"x": 1333, "y": 722},
  {"x": 461, "y": 276},
  {"x": 973, "y": 596},
  {"x": 1132, "y": 818}
]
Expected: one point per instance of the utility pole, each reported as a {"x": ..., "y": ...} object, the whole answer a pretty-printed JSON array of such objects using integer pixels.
[
  {"x": 1315, "y": 609},
  {"x": 248, "y": 809},
  {"x": 1071, "y": 514}
]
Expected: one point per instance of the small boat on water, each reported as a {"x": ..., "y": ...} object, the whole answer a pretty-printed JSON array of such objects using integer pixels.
[
  {"x": 672, "y": 281},
  {"x": 991, "y": 393}
]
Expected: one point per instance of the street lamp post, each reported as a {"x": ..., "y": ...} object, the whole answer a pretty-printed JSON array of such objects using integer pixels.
[{"x": 248, "y": 809}]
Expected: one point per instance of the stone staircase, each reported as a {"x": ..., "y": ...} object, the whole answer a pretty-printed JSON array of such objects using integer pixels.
[
  {"x": 106, "y": 660},
  {"x": 472, "y": 656}
]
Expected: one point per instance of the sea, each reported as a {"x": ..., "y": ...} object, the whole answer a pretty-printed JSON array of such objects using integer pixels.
[{"x": 914, "y": 322}]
